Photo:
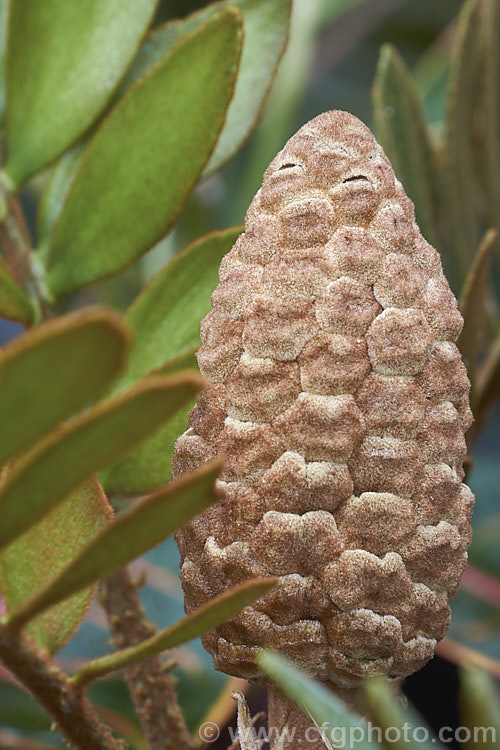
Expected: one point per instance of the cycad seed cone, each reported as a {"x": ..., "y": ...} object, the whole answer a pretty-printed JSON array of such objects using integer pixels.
[{"x": 339, "y": 398}]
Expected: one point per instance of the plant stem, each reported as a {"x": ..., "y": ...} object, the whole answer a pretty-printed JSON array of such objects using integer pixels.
[
  {"x": 15, "y": 236},
  {"x": 73, "y": 714},
  {"x": 210, "y": 615},
  {"x": 34, "y": 668},
  {"x": 16, "y": 241},
  {"x": 150, "y": 684},
  {"x": 287, "y": 723}
]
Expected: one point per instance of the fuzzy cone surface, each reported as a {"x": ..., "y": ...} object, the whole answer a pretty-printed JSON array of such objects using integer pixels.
[{"x": 340, "y": 400}]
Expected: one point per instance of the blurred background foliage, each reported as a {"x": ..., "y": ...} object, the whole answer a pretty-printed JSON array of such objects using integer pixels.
[
  {"x": 330, "y": 63},
  {"x": 333, "y": 55}
]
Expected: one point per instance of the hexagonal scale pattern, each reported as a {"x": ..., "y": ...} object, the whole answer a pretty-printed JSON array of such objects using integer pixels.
[{"x": 339, "y": 398}]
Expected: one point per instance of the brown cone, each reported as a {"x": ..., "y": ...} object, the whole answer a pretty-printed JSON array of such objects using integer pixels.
[{"x": 339, "y": 398}]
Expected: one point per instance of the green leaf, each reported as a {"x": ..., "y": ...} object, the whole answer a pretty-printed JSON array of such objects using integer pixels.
[
  {"x": 149, "y": 464},
  {"x": 4, "y": 11},
  {"x": 458, "y": 148},
  {"x": 285, "y": 103},
  {"x": 210, "y": 615},
  {"x": 140, "y": 166},
  {"x": 165, "y": 321},
  {"x": 315, "y": 700},
  {"x": 479, "y": 708},
  {"x": 132, "y": 534},
  {"x": 40, "y": 554},
  {"x": 14, "y": 303},
  {"x": 64, "y": 62},
  {"x": 54, "y": 370},
  {"x": 472, "y": 303},
  {"x": 430, "y": 76},
  {"x": 185, "y": 361},
  {"x": 165, "y": 318},
  {"x": 56, "y": 190},
  {"x": 402, "y": 131},
  {"x": 265, "y": 26},
  {"x": 385, "y": 712},
  {"x": 74, "y": 452},
  {"x": 491, "y": 79}
]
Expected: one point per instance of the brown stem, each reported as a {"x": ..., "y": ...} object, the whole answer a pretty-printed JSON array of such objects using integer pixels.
[
  {"x": 73, "y": 714},
  {"x": 15, "y": 238},
  {"x": 150, "y": 684},
  {"x": 287, "y": 723},
  {"x": 284, "y": 715},
  {"x": 16, "y": 241},
  {"x": 50, "y": 686}
]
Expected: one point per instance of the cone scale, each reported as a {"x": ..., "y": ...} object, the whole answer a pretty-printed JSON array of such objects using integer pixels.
[{"x": 338, "y": 396}]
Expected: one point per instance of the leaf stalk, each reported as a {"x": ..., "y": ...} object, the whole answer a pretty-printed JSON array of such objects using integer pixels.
[{"x": 151, "y": 686}]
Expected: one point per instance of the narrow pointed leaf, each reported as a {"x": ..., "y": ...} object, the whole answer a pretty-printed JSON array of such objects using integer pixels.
[
  {"x": 64, "y": 62},
  {"x": 322, "y": 706},
  {"x": 479, "y": 707},
  {"x": 14, "y": 302},
  {"x": 210, "y": 615},
  {"x": 402, "y": 131},
  {"x": 145, "y": 158},
  {"x": 472, "y": 303},
  {"x": 459, "y": 153},
  {"x": 54, "y": 370},
  {"x": 135, "y": 532},
  {"x": 265, "y": 26},
  {"x": 385, "y": 712},
  {"x": 165, "y": 318},
  {"x": 149, "y": 464},
  {"x": 430, "y": 75},
  {"x": 73, "y": 453},
  {"x": 4, "y": 9},
  {"x": 39, "y": 555},
  {"x": 491, "y": 78}
]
